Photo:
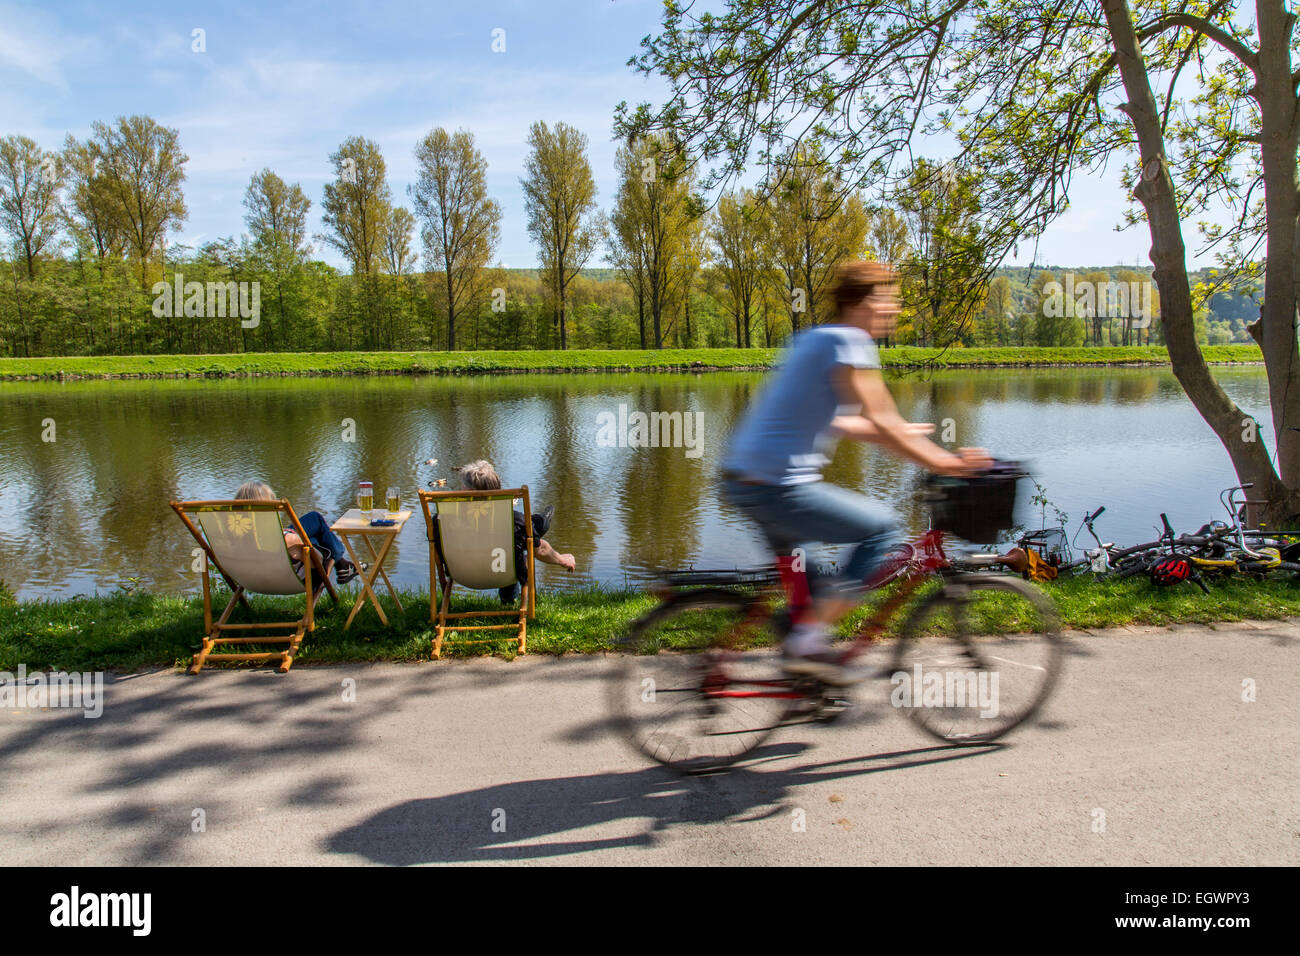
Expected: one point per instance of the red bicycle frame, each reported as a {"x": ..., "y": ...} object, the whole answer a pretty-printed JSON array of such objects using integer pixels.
[{"x": 912, "y": 564}]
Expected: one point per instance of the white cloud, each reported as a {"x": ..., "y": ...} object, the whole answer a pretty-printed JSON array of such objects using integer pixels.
[{"x": 32, "y": 46}]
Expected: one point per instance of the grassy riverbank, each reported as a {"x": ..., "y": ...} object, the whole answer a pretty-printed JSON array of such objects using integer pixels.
[
  {"x": 129, "y": 631},
  {"x": 276, "y": 364}
]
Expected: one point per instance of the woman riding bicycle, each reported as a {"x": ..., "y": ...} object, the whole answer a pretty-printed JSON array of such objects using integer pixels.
[{"x": 829, "y": 385}]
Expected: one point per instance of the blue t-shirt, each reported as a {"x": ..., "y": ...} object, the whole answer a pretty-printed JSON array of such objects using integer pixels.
[{"x": 784, "y": 438}]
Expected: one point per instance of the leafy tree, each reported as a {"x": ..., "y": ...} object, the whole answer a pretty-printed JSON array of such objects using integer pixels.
[
  {"x": 998, "y": 314},
  {"x": 628, "y": 247},
  {"x": 1055, "y": 325},
  {"x": 736, "y": 233},
  {"x": 887, "y": 235},
  {"x": 1094, "y": 314},
  {"x": 88, "y": 206},
  {"x": 1134, "y": 332},
  {"x": 815, "y": 227},
  {"x": 560, "y": 199},
  {"x": 398, "y": 263},
  {"x": 277, "y": 221},
  {"x": 143, "y": 169},
  {"x": 1034, "y": 92},
  {"x": 942, "y": 278},
  {"x": 460, "y": 223},
  {"x": 357, "y": 208},
  {"x": 654, "y": 219},
  {"x": 30, "y": 180}
]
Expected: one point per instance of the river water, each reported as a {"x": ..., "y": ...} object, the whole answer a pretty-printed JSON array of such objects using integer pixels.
[{"x": 88, "y": 511}]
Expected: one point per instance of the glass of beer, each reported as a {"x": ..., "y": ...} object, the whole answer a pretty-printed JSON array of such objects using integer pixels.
[
  {"x": 366, "y": 498},
  {"x": 394, "y": 501}
]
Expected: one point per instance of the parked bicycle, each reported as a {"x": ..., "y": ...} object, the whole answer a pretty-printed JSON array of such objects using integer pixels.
[{"x": 1215, "y": 550}]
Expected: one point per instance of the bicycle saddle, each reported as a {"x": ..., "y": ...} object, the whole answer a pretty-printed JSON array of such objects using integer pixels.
[{"x": 1016, "y": 559}]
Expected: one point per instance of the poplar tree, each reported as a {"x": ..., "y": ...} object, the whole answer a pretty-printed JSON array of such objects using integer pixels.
[
  {"x": 560, "y": 199},
  {"x": 459, "y": 223}
]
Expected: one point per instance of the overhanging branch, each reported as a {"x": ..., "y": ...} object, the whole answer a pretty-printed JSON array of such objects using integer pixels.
[{"x": 1205, "y": 28}]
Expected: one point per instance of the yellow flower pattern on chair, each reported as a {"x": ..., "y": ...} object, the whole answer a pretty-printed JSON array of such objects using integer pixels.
[
  {"x": 239, "y": 524},
  {"x": 476, "y": 511}
]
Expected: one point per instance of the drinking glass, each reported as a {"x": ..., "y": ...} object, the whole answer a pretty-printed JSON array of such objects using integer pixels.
[
  {"x": 394, "y": 501},
  {"x": 366, "y": 498}
]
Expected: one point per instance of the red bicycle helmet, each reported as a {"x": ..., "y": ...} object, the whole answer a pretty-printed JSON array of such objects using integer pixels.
[{"x": 1170, "y": 571}]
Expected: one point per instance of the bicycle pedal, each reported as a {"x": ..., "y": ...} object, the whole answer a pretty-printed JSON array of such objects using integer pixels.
[{"x": 831, "y": 709}]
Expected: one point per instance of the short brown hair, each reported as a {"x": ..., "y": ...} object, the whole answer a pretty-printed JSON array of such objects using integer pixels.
[{"x": 854, "y": 281}]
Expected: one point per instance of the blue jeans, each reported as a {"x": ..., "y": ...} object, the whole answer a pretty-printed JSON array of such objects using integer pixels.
[
  {"x": 322, "y": 538},
  {"x": 790, "y": 515}
]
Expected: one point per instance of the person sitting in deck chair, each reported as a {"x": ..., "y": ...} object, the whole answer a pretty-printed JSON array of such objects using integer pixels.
[
  {"x": 317, "y": 528},
  {"x": 481, "y": 476}
]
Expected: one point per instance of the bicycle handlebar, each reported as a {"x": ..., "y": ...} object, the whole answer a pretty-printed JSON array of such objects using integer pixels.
[
  {"x": 1239, "y": 517},
  {"x": 1089, "y": 519}
]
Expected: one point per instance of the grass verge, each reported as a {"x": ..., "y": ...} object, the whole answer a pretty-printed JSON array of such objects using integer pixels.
[
  {"x": 289, "y": 364},
  {"x": 125, "y": 631}
]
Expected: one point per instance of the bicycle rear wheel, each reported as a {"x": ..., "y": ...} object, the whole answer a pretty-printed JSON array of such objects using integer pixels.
[
  {"x": 683, "y": 693},
  {"x": 1134, "y": 564},
  {"x": 962, "y": 687}
]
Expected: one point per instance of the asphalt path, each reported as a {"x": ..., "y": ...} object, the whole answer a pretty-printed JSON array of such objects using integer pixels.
[{"x": 1150, "y": 752}]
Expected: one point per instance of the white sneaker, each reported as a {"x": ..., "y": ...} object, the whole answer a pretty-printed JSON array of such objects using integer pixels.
[
  {"x": 805, "y": 640},
  {"x": 807, "y": 652}
]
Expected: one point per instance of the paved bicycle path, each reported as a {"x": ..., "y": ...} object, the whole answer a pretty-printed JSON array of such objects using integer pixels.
[{"x": 1146, "y": 754}]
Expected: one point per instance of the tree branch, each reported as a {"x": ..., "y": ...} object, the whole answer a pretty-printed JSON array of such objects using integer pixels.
[{"x": 1206, "y": 29}]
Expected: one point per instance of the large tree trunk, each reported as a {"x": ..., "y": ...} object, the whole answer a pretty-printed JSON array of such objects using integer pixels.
[
  {"x": 1234, "y": 428},
  {"x": 1276, "y": 93}
]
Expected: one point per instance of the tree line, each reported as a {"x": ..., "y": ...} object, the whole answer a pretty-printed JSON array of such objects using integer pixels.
[{"x": 88, "y": 228}]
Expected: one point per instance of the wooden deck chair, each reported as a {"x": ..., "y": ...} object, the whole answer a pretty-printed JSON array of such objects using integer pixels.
[
  {"x": 472, "y": 543},
  {"x": 244, "y": 541}
]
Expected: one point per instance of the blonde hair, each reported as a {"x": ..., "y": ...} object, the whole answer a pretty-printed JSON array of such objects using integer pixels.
[
  {"x": 254, "y": 491},
  {"x": 479, "y": 476}
]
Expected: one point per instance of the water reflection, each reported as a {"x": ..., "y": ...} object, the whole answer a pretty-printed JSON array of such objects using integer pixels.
[{"x": 89, "y": 511}]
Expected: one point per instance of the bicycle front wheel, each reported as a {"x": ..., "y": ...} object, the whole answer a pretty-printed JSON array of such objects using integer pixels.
[
  {"x": 682, "y": 690},
  {"x": 977, "y": 658}
]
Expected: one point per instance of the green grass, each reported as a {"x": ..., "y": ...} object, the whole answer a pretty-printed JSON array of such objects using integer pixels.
[
  {"x": 125, "y": 631},
  {"x": 276, "y": 364}
]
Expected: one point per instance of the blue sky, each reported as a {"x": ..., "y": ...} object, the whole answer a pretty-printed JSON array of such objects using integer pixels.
[{"x": 282, "y": 84}]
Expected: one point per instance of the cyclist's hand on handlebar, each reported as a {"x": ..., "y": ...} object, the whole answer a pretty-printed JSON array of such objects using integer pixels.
[{"x": 968, "y": 461}]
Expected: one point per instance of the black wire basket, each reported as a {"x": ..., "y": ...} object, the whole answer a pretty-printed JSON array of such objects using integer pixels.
[
  {"x": 978, "y": 508},
  {"x": 1052, "y": 545}
]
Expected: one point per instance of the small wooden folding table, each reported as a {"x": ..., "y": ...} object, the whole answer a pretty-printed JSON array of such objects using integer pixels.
[{"x": 355, "y": 524}]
